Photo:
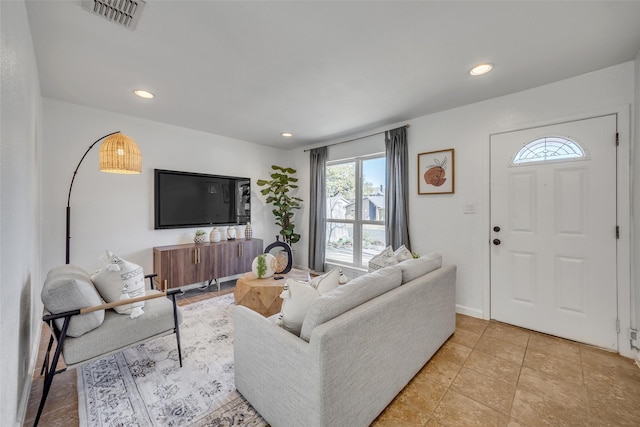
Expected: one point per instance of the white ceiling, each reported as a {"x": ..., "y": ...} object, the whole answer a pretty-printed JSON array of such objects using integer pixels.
[{"x": 321, "y": 70}]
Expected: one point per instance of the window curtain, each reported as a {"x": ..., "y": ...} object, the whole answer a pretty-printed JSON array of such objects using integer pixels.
[
  {"x": 397, "y": 183},
  {"x": 317, "y": 207}
]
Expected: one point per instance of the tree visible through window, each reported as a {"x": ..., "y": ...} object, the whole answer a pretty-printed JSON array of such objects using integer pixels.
[
  {"x": 550, "y": 148},
  {"x": 355, "y": 210}
]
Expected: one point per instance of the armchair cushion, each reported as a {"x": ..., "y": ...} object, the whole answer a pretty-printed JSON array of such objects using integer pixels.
[
  {"x": 118, "y": 332},
  {"x": 68, "y": 288}
]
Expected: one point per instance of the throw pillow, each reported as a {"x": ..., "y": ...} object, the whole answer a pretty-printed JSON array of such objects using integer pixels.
[
  {"x": 68, "y": 288},
  {"x": 118, "y": 280},
  {"x": 296, "y": 299},
  {"x": 383, "y": 259},
  {"x": 327, "y": 281},
  {"x": 403, "y": 254},
  {"x": 344, "y": 298}
]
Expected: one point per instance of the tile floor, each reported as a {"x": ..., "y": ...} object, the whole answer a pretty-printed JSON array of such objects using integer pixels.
[{"x": 487, "y": 374}]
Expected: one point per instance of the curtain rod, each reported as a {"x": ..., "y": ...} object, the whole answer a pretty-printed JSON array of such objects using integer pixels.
[{"x": 355, "y": 139}]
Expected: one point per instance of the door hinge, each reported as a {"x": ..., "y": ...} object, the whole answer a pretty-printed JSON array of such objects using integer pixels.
[
  {"x": 617, "y": 231},
  {"x": 617, "y": 139},
  {"x": 618, "y": 325}
]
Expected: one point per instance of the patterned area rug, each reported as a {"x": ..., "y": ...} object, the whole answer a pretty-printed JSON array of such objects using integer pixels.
[{"x": 145, "y": 386}]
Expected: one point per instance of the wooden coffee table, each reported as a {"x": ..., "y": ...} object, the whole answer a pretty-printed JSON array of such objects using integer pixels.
[{"x": 263, "y": 295}]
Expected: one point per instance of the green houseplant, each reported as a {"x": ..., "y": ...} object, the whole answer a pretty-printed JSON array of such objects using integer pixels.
[{"x": 277, "y": 190}]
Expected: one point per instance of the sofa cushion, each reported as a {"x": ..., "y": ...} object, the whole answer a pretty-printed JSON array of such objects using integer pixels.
[
  {"x": 68, "y": 288},
  {"x": 414, "y": 268},
  {"x": 403, "y": 254},
  {"x": 350, "y": 295},
  {"x": 120, "y": 279},
  {"x": 385, "y": 258},
  {"x": 296, "y": 299}
]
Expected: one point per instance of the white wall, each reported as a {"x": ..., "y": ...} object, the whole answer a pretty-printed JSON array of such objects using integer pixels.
[
  {"x": 110, "y": 211},
  {"x": 437, "y": 222},
  {"x": 20, "y": 211}
]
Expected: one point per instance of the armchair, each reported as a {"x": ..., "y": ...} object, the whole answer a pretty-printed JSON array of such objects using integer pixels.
[{"x": 96, "y": 330}]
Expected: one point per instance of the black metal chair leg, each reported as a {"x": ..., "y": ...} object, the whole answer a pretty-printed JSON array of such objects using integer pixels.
[
  {"x": 46, "y": 355},
  {"x": 177, "y": 327},
  {"x": 51, "y": 371}
]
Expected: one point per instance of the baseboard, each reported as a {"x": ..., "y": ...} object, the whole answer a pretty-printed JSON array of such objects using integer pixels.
[
  {"x": 473, "y": 312},
  {"x": 26, "y": 389}
]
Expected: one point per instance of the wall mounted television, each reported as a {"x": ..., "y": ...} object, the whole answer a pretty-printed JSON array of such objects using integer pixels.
[{"x": 186, "y": 199}]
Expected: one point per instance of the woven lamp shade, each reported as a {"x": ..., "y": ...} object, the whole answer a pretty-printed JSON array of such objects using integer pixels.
[{"x": 120, "y": 154}]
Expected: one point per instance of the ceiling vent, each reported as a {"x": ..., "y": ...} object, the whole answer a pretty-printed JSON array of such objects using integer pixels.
[{"x": 122, "y": 12}]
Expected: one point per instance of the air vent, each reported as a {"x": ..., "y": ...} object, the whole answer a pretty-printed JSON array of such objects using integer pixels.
[{"x": 122, "y": 12}]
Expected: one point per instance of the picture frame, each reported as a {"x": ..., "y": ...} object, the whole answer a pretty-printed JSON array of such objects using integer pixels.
[{"x": 436, "y": 172}]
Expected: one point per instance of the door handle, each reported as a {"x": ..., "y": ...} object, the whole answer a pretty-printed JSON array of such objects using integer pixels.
[
  {"x": 496, "y": 228},
  {"x": 496, "y": 242}
]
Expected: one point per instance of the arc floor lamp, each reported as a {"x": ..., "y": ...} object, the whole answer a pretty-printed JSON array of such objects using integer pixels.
[{"x": 118, "y": 154}]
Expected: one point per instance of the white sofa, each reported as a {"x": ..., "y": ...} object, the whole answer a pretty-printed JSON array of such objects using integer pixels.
[{"x": 360, "y": 345}]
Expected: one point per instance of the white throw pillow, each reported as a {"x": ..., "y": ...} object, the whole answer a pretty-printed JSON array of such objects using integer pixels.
[
  {"x": 296, "y": 299},
  {"x": 383, "y": 259},
  {"x": 327, "y": 281},
  {"x": 403, "y": 254},
  {"x": 118, "y": 280}
]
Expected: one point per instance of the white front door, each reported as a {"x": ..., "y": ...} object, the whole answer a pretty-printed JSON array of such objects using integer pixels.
[{"x": 553, "y": 230}]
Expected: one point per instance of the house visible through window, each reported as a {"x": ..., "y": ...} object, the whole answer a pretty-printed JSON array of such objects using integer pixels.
[
  {"x": 355, "y": 210},
  {"x": 549, "y": 148}
]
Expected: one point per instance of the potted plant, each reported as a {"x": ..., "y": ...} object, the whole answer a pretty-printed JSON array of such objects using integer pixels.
[
  {"x": 201, "y": 236},
  {"x": 277, "y": 190}
]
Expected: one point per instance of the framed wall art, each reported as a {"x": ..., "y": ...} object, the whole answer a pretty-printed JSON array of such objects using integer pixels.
[{"x": 436, "y": 172}]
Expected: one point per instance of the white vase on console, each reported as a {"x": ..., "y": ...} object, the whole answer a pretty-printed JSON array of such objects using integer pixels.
[
  {"x": 231, "y": 233},
  {"x": 214, "y": 236}
]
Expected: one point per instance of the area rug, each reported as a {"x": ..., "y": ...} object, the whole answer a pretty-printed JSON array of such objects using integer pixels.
[{"x": 144, "y": 386}]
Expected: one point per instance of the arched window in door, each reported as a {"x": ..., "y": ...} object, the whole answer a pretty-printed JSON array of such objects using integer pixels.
[{"x": 550, "y": 149}]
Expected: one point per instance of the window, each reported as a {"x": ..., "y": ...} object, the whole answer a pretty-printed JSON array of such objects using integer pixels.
[
  {"x": 355, "y": 210},
  {"x": 550, "y": 148}
]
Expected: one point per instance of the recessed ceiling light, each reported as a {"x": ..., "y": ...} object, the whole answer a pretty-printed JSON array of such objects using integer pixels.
[
  {"x": 144, "y": 93},
  {"x": 481, "y": 69},
  {"x": 287, "y": 134}
]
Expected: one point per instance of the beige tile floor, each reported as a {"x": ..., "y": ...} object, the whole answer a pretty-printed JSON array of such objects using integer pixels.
[{"x": 487, "y": 374}]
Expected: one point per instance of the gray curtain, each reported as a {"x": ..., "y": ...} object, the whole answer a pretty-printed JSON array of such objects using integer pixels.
[
  {"x": 317, "y": 208},
  {"x": 397, "y": 184}
]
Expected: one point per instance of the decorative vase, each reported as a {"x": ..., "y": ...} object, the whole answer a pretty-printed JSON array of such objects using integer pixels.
[
  {"x": 231, "y": 233},
  {"x": 285, "y": 257},
  {"x": 342, "y": 279},
  {"x": 214, "y": 236},
  {"x": 262, "y": 266},
  {"x": 248, "y": 231},
  {"x": 200, "y": 238}
]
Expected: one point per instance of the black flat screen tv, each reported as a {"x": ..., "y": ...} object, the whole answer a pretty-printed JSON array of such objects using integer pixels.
[{"x": 185, "y": 199}]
